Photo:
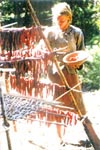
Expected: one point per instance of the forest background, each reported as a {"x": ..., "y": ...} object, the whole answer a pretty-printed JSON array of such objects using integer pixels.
[{"x": 86, "y": 15}]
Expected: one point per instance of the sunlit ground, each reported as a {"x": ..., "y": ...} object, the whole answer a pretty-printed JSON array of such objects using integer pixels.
[
  {"x": 27, "y": 135},
  {"x": 30, "y": 135}
]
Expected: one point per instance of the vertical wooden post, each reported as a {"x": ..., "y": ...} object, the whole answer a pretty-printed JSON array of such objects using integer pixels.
[
  {"x": 5, "y": 122},
  {"x": 91, "y": 133}
]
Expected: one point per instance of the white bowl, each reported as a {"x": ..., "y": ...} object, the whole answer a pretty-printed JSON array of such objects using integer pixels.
[{"x": 75, "y": 58}]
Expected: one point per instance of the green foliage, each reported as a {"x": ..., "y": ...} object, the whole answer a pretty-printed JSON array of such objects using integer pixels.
[
  {"x": 86, "y": 15},
  {"x": 6, "y": 11},
  {"x": 90, "y": 74},
  {"x": 14, "y": 11},
  {"x": 43, "y": 12},
  {"x": 95, "y": 40}
]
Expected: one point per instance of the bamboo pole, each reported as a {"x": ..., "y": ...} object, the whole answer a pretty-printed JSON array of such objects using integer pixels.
[
  {"x": 86, "y": 123},
  {"x": 9, "y": 25}
]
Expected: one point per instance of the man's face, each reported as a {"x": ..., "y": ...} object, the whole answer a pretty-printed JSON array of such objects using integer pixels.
[{"x": 63, "y": 22}]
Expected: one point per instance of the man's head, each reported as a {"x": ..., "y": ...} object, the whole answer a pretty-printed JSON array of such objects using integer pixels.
[{"x": 62, "y": 15}]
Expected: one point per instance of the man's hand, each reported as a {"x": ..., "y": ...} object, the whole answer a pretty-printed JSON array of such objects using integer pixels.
[{"x": 76, "y": 66}]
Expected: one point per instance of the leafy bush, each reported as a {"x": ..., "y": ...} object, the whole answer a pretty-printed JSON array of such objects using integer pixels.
[{"x": 90, "y": 74}]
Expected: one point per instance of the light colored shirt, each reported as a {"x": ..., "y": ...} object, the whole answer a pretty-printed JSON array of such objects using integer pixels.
[{"x": 72, "y": 38}]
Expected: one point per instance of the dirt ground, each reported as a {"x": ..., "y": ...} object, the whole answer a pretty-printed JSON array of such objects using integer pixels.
[{"x": 26, "y": 135}]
